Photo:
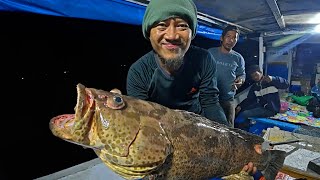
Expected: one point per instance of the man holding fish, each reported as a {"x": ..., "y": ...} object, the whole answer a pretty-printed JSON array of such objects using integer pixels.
[
  {"x": 175, "y": 73},
  {"x": 137, "y": 136}
]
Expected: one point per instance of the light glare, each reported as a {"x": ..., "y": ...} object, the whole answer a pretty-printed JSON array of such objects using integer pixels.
[
  {"x": 317, "y": 28},
  {"x": 315, "y": 19}
]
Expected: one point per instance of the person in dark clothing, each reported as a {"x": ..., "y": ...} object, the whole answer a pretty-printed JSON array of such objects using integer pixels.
[
  {"x": 175, "y": 74},
  {"x": 263, "y": 99}
]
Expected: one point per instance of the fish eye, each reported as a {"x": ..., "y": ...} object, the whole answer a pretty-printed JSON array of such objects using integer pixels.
[
  {"x": 118, "y": 100},
  {"x": 115, "y": 102}
]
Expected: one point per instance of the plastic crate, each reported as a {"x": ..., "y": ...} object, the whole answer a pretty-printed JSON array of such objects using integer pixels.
[{"x": 259, "y": 125}]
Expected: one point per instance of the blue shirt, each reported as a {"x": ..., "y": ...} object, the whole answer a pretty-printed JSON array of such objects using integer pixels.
[{"x": 229, "y": 67}]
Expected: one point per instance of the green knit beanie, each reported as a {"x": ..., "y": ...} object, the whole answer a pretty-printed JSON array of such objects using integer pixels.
[{"x": 159, "y": 10}]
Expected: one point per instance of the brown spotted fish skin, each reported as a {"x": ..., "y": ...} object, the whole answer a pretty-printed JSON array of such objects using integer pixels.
[
  {"x": 204, "y": 149},
  {"x": 141, "y": 139}
]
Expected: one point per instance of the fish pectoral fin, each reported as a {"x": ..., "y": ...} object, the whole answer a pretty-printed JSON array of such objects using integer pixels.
[{"x": 128, "y": 172}]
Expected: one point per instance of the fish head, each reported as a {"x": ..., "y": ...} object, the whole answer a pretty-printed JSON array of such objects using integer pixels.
[
  {"x": 96, "y": 122},
  {"x": 119, "y": 128}
]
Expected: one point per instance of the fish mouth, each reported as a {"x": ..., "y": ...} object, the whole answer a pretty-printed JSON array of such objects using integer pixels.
[
  {"x": 85, "y": 101},
  {"x": 63, "y": 125}
]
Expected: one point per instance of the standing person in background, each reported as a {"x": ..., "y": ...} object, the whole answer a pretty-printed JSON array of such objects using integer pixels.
[
  {"x": 230, "y": 70},
  {"x": 175, "y": 74}
]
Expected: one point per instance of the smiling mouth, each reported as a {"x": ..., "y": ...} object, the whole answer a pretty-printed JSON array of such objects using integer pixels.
[
  {"x": 172, "y": 49},
  {"x": 171, "y": 45}
]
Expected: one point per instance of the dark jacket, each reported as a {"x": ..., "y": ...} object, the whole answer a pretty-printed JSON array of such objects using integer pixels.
[
  {"x": 263, "y": 94},
  {"x": 193, "y": 88}
]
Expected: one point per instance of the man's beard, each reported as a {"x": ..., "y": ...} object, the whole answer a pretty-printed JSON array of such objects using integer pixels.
[{"x": 172, "y": 64}]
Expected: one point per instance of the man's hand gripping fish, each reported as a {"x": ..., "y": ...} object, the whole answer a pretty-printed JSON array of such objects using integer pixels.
[{"x": 141, "y": 139}]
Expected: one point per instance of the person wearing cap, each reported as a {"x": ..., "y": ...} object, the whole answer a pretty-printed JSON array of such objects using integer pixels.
[
  {"x": 175, "y": 73},
  {"x": 230, "y": 70},
  {"x": 263, "y": 98}
]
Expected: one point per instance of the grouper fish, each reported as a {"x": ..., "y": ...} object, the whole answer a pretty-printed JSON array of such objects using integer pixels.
[{"x": 139, "y": 139}]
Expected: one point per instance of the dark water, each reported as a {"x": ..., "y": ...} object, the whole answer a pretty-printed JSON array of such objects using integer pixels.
[{"x": 44, "y": 58}]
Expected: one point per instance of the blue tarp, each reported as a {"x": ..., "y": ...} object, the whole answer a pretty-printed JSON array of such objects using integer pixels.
[{"x": 106, "y": 10}]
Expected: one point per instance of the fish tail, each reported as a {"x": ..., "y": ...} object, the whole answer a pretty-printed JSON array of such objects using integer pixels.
[{"x": 274, "y": 165}]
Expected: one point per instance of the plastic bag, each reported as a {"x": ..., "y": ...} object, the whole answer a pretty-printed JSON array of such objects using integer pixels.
[{"x": 301, "y": 100}]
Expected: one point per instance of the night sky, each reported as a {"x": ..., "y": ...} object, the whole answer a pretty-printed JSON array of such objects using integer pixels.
[{"x": 44, "y": 58}]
